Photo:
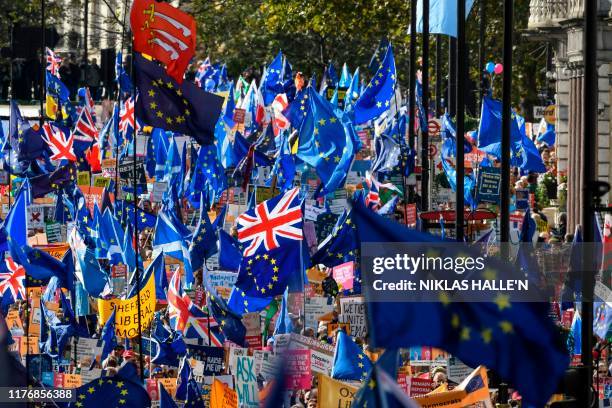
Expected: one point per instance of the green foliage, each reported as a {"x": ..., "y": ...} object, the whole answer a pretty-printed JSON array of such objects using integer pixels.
[
  {"x": 27, "y": 13},
  {"x": 247, "y": 34}
]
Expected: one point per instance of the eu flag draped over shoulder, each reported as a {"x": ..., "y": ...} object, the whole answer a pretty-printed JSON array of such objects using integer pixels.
[
  {"x": 325, "y": 143},
  {"x": 182, "y": 108},
  {"x": 377, "y": 96},
  {"x": 512, "y": 338}
]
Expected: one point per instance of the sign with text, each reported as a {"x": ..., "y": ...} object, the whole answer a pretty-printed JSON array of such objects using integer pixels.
[
  {"x": 489, "y": 179},
  {"x": 352, "y": 310}
]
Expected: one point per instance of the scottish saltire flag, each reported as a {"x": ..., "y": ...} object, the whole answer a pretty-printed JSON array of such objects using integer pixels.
[
  {"x": 188, "y": 318},
  {"x": 229, "y": 322},
  {"x": 225, "y": 149},
  {"x": 469, "y": 184},
  {"x": 111, "y": 237},
  {"x": 121, "y": 390},
  {"x": 172, "y": 238},
  {"x": 345, "y": 77},
  {"x": 272, "y": 81},
  {"x": 283, "y": 323},
  {"x": 496, "y": 334},
  {"x": 352, "y": 92},
  {"x": 377, "y": 97},
  {"x": 173, "y": 165},
  {"x": 546, "y": 133},
  {"x": 161, "y": 146},
  {"x": 442, "y": 16},
  {"x": 350, "y": 362},
  {"x": 325, "y": 142}
]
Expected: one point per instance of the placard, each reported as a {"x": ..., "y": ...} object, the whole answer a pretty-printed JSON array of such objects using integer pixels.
[
  {"x": 343, "y": 275},
  {"x": 54, "y": 232},
  {"x": 36, "y": 216},
  {"x": 352, "y": 310},
  {"x": 83, "y": 178},
  {"x": 489, "y": 180},
  {"x": 159, "y": 188},
  {"x": 298, "y": 376},
  {"x": 315, "y": 307},
  {"x": 246, "y": 382}
]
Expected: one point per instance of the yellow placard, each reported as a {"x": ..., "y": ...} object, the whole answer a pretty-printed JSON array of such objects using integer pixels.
[
  {"x": 334, "y": 393},
  {"x": 459, "y": 397},
  {"x": 55, "y": 250},
  {"x": 169, "y": 384},
  {"x": 29, "y": 345},
  {"x": 72, "y": 380},
  {"x": 222, "y": 396},
  {"x": 83, "y": 178},
  {"x": 126, "y": 318},
  {"x": 13, "y": 321},
  {"x": 101, "y": 181}
]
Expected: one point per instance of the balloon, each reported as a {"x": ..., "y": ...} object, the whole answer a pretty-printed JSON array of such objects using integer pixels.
[
  {"x": 490, "y": 67},
  {"x": 499, "y": 68}
]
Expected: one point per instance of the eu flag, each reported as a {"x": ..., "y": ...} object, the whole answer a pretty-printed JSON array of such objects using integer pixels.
[
  {"x": 350, "y": 362},
  {"x": 230, "y": 323},
  {"x": 377, "y": 96},
  {"x": 511, "y": 338},
  {"x": 58, "y": 179},
  {"x": 490, "y": 128},
  {"x": 182, "y": 108},
  {"x": 325, "y": 142},
  {"x": 120, "y": 390}
]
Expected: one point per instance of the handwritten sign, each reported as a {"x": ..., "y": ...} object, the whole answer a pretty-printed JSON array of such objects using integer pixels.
[
  {"x": 246, "y": 382},
  {"x": 352, "y": 310}
]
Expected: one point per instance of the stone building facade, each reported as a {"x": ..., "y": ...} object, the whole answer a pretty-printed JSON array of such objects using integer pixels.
[{"x": 560, "y": 22}]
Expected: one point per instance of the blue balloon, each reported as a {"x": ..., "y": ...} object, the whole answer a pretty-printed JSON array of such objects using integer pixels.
[{"x": 490, "y": 67}]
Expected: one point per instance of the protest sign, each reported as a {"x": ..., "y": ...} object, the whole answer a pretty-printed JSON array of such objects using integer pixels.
[
  {"x": 332, "y": 327},
  {"x": 211, "y": 358},
  {"x": 55, "y": 250},
  {"x": 36, "y": 216},
  {"x": 246, "y": 382},
  {"x": 152, "y": 388},
  {"x": 298, "y": 375},
  {"x": 352, "y": 310},
  {"x": 222, "y": 396},
  {"x": 234, "y": 353},
  {"x": 419, "y": 386},
  {"x": 54, "y": 232},
  {"x": 169, "y": 384},
  {"x": 489, "y": 179},
  {"x": 14, "y": 323},
  {"x": 456, "y": 371},
  {"x": 252, "y": 323},
  {"x": 265, "y": 363},
  {"x": 333, "y": 393},
  {"x": 473, "y": 389},
  {"x": 343, "y": 275},
  {"x": 320, "y": 362},
  {"x": 72, "y": 381},
  {"x": 315, "y": 307},
  {"x": 126, "y": 318}
]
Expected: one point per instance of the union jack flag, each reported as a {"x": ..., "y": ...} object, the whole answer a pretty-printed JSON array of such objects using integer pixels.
[
  {"x": 53, "y": 62},
  {"x": 85, "y": 129},
  {"x": 13, "y": 280},
  {"x": 263, "y": 226},
  {"x": 372, "y": 199},
  {"x": 280, "y": 121},
  {"x": 59, "y": 143},
  {"x": 187, "y": 317},
  {"x": 126, "y": 115}
]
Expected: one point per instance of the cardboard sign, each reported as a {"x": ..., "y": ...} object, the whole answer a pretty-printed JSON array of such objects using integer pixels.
[
  {"x": 72, "y": 381},
  {"x": 222, "y": 396},
  {"x": 126, "y": 318},
  {"x": 411, "y": 214},
  {"x": 333, "y": 393},
  {"x": 332, "y": 327},
  {"x": 36, "y": 216},
  {"x": 169, "y": 384},
  {"x": 299, "y": 376},
  {"x": 352, "y": 310},
  {"x": 28, "y": 345},
  {"x": 83, "y": 178},
  {"x": 489, "y": 179},
  {"x": 54, "y": 232},
  {"x": 343, "y": 275},
  {"x": 246, "y": 382},
  {"x": 419, "y": 386}
]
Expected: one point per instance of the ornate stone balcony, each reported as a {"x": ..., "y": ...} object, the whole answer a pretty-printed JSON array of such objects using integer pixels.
[{"x": 548, "y": 13}]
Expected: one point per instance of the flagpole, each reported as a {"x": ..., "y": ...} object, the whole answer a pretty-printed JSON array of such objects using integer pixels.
[
  {"x": 135, "y": 198},
  {"x": 438, "y": 74},
  {"x": 589, "y": 126},
  {"x": 481, "y": 49},
  {"x": 452, "y": 75},
  {"x": 460, "y": 133},
  {"x": 411, "y": 84},
  {"x": 125, "y": 10},
  {"x": 11, "y": 95},
  {"x": 506, "y": 123},
  {"x": 425, "y": 103},
  {"x": 43, "y": 69}
]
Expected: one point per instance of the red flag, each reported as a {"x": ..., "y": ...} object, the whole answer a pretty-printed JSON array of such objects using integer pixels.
[{"x": 165, "y": 33}]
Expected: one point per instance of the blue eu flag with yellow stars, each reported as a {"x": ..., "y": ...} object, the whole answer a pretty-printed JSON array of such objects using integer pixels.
[
  {"x": 182, "y": 108},
  {"x": 229, "y": 322},
  {"x": 377, "y": 96},
  {"x": 325, "y": 142},
  {"x": 512, "y": 338},
  {"x": 120, "y": 390},
  {"x": 350, "y": 362}
]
